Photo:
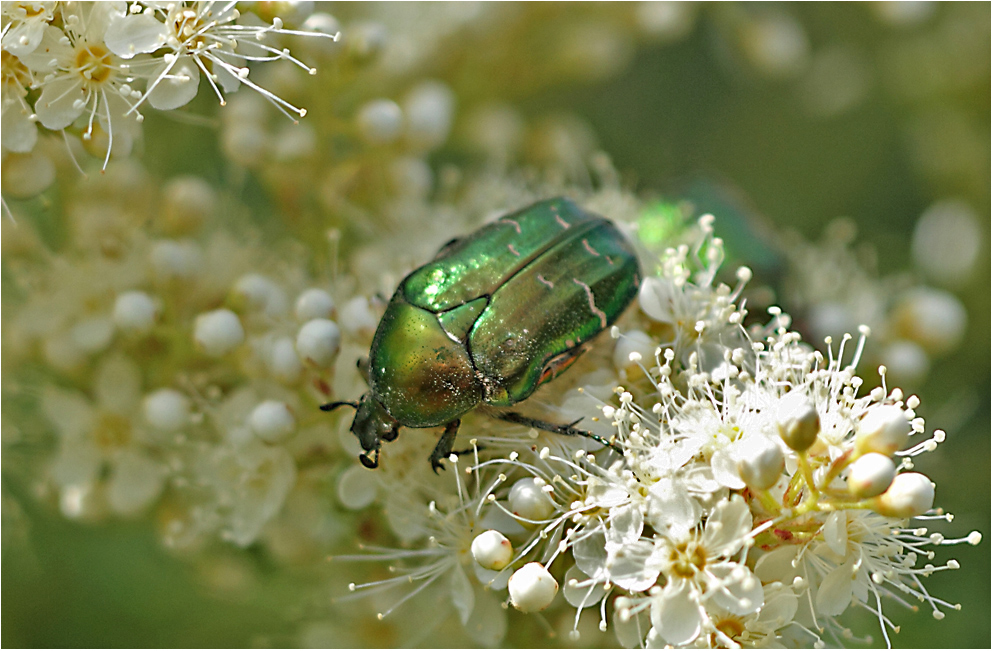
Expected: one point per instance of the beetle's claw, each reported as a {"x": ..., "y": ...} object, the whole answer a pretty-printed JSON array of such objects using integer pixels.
[
  {"x": 436, "y": 464},
  {"x": 371, "y": 464}
]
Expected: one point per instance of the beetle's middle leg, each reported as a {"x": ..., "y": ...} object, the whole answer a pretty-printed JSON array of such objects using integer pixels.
[
  {"x": 444, "y": 447},
  {"x": 567, "y": 430}
]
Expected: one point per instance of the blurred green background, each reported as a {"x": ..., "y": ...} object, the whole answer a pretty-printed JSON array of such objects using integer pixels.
[{"x": 918, "y": 132}]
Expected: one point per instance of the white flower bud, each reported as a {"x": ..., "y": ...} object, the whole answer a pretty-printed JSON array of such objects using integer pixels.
[
  {"x": 175, "y": 260},
  {"x": 411, "y": 177},
  {"x": 532, "y": 588},
  {"x": 219, "y": 332},
  {"x": 380, "y": 121},
  {"x": 870, "y": 475},
  {"x": 634, "y": 341},
  {"x": 760, "y": 462},
  {"x": 797, "y": 421},
  {"x": 256, "y": 292},
  {"x": 948, "y": 239},
  {"x": 187, "y": 202},
  {"x": 528, "y": 501},
  {"x": 366, "y": 40},
  {"x": 429, "y": 108},
  {"x": 320, "y": 23},
  {"x": 314, "y": 303},
  {"x": 272, "y": 421},
  {"x": 245, "y": 143},
  {"x": 910, "y": 494},
  {"x": 492, "y": 550},
  {"x": 883, "y": 429},
  {"x": 284, "y": 363},
  {"x": 318, "y": 342},
  {"x": 357, "y": 488},
  {"x": 92, "y": 335},
  {"x": 135, "y": 312},
  {"x": 357, "y": 317},
  {"x": 934, "y": 318},
  {"x": 166, "y": 410}
]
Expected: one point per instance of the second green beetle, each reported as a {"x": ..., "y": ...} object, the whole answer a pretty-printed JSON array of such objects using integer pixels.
[{"x": 494, "y": 316}]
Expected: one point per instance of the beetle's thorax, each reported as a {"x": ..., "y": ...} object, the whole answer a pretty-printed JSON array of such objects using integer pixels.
[{"x": 422, "y": 376}]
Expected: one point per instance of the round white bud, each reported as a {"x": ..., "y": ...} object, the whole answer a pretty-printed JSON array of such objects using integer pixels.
[
  {"x": 218, "y": 332},
  {"x": 357, "y": 317},
  {"x": 532, "y": 588},
  {"x": 272, "y": 421},
  {"x": 634, "y": 341},
  {"x": 380, "y": 121},
  {"x": 166, "y": 410},
  {"x": 318, "y": 342},
  {"x": 175, "y": 260},
  {"x": 934, "y": 318},
  {"x": 314, "y": 303},
  {"x": 760, "y": 462},
  {"x": 187, "y": 202},
  {"x": 245, "y": 143},
  {"x": 135, "y": 312},
  {"x": 910, "y": 494},
  {"x": 528, "y": 501},
  {"x": 797, "y": 421},
  {"x": 284, "y": 363},
  {"x": 320, "y": 23},
  {"x": 429, "y": 108},
  {"x": 871, "y": 474},
  {"x": 492, "y": 550},
  {"x": 258, "y": 293},
  {"x": 92, "y": 334},
  {"x": 883, "y": 429},
  {"x": 366, "y": 40}
]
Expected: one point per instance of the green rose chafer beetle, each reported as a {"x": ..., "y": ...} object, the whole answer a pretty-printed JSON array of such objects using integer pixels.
[{"x": 495, "y": 315}]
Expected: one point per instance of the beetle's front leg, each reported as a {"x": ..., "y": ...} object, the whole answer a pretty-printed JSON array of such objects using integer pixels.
[
  {"x": 444, "y": 447},
  {"x": 567, "y": 430}
]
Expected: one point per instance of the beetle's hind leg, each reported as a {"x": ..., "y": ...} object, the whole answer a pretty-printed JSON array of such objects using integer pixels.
[
  {"x": 566, "y": 430},
  {"x": 444, "y": 447}
]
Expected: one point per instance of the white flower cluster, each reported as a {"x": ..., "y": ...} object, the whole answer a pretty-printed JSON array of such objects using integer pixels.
[
  {"x": 190, "y": 380},
  {"x": 758, "y": 495},
  {"x": 91, "y": 67}
]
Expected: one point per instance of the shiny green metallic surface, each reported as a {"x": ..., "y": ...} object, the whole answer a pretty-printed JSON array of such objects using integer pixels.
[
  {"x": 494, "y": 316},
  {"x": 551, "y": 308},
  {"x": 418, "y": 372}
]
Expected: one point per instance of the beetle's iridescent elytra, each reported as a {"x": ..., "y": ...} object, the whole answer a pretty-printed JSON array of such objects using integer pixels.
[{"x": 495, "y": 315}]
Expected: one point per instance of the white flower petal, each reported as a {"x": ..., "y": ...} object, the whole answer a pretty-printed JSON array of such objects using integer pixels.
[
  {"x": 725, "y": 531},
  {"x": 581, "y": 596},
  {"x": 117, "y": 385},
  {"x": 725, "y": 469},
  {"x": 739, "y": 592},
  {"x": 69, "y": 411},
  {"x": 671, "y": 510},
  {"x": 174, "y": 88},
  {"x": 835, "y": 533},
  {"x": 135, "y": 482},
  {"x": 18, "y": 132},
  {"x": 135, "y": 34},
  {"x": 590, "y": 553},
  {"x": 835, "y": 591},
  {"x": 461, "y": 592},
  {"x": 57, "y": 106},
  {"x": 628, "y": 565},
  {"x": 676, "y": 614}
]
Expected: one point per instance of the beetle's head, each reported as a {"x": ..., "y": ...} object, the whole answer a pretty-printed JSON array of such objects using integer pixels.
[{"x": 372, "y": 425}]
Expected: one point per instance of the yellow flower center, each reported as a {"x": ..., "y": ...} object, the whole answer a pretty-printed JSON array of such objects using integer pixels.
[
  {"x": 93, "y": 62},
  {"x": 686, "y": 559}
]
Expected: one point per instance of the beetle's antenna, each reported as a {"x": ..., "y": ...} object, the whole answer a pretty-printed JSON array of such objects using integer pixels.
[{"x": 334, "y": 405}]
